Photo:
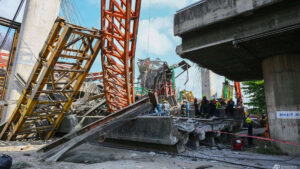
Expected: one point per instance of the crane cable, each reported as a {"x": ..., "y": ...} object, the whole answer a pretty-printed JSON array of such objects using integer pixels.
[
  {"x": 14, "y": 18},
  {"x": 149, "y": 22}
]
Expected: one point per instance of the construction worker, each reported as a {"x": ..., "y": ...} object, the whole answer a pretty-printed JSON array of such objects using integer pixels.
[
  {"x": 218, "y": 106},
  {"x": 183, "y": 109},
  {"x": 264, "y": 120},
  {"x": 204, "y": 109},
  {"x": 166, "y": 108},
  {"x": 250, "y": 131},
  {"x": 221, "y": 100},
  {"x": 229, "y": 108},
  {"x": 267, "y": 133},
  {"x": 159, "y": 109},
  {"x": 196, "y": 105},
  {"x": 188, "y": 108},
  {"x": 212, "y": 107}
]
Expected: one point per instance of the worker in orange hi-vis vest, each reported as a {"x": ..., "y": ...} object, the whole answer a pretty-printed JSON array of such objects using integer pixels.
[{"x": 267, "y": 131}]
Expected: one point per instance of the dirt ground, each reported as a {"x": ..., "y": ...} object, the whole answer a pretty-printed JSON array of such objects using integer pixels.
[{"x": 90, "y": 156}]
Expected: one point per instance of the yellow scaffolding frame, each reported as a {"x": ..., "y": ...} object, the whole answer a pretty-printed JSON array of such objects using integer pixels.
[{"x": 51, "y": 88}]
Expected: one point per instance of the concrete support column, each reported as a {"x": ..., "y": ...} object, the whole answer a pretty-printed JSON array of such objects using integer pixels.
[
  {"x": 282, "y": 89},
  {"x": 209, "y": 81},
  {"x": 37, "y": 22}
]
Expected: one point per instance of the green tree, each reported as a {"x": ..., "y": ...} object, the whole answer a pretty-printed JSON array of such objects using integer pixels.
[{"x": 256, "y": 93}]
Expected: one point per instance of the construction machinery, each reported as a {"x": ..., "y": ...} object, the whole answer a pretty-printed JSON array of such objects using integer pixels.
[
  {"x": 158, "y": 77},
  {"x": 239, "y": 97},
  {"x": 119, "y": 26},
  {"x": 184, "y": 94},
  {"x": 227, "y": 90},
  {"x": 51, "y": 87}
]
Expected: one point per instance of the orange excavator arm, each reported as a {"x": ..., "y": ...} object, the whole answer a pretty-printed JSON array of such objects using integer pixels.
[
  {"x": 238, "y": 90},
  {"x": 119, "y": 27}
]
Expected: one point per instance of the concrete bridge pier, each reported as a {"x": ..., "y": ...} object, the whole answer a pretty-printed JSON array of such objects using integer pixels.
[
  {"x": 282, "y": 88},
  {"x": 38, "y": 19}
]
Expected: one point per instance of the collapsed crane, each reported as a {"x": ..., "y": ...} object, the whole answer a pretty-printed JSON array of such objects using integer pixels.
[
  {"x": 119, "y": 26},
  {"x": 52, "y": 88}
]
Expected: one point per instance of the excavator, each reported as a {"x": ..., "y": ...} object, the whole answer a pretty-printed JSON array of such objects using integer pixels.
[
  {"x": 239, "y": 96},
  {"x": 51, "y": 90}
]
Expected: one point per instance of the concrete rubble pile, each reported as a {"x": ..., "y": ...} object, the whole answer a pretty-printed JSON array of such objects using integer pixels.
[{"x": 90, "y": 95}]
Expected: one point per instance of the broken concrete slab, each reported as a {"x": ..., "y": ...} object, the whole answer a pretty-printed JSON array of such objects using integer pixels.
[
  {"x": 148, "y": 129},
  {"x": 58, "y": 148},
  {"x": 175, "y": 131}
]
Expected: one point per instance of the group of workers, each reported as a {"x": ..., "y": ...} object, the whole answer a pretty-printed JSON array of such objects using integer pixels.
[
  {"x": 203, "y": 108},
  {"x": 207, "y": 109},
  {"x": 163, "y": 109}
]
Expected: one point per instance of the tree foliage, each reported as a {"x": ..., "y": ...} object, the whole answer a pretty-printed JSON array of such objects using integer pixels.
[{"x": 256, "y": 93}]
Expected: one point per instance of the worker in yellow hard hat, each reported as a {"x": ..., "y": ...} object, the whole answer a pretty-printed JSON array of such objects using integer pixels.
[
  {"x": 250, "y": 131},
  {"x": 166, "y": 108},
  {"x": 183, "y": 109},
  {"x": 248, "y": 120},
  {"x": 218, "y": 106}
]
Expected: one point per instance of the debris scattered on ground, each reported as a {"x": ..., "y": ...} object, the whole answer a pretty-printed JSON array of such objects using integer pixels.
[{"x": 21, "y": 165}]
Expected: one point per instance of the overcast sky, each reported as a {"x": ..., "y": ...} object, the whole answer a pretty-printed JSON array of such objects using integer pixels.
[{"x": 155, "y": 36}]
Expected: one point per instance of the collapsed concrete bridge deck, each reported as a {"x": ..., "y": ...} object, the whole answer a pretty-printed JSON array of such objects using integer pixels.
[{"x": 173, "y": 133}]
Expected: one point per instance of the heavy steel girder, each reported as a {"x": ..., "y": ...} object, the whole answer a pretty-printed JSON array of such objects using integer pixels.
[
  {"x": 50, "y": 89},
  {"x": 119, "y": 26}
]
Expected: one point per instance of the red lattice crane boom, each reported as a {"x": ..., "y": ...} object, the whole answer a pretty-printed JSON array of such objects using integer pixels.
[{"x": 119, "y": 26}]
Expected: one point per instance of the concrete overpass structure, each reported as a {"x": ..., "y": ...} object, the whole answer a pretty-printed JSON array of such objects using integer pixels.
[{"x": 250, "y": 40}]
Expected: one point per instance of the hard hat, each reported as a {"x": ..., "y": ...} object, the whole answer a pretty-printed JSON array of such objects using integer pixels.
[
  {"x": 165, "y": 101},
  {"x": 248, "y": 120},
  {"x": 204, "y": 96},
  {"x": 230, "y": 98}
]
